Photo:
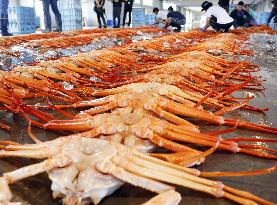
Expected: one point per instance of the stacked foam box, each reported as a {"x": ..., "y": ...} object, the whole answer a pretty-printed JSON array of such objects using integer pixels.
[
  {"x": 138, "y": 17},
  {"x": 71, "y": 12},
  {"x": 21, "y": 20},
  {"x": 273, "y": 26},
  {"x": 261, "y": 17},
  {"x": 150, "y": 19}
]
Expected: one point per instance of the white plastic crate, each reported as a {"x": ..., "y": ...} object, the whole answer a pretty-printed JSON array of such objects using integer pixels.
[
  {"x": 150, "y": 19},
  {"x": 69, "y": 4},
  {"x": 21, "y": 20},
  {"x": 273, "y": 26},
  {"x": 261, "y": 17},
  {"x": 138, "y": 16},
  {"x": 138, "y": 24}
]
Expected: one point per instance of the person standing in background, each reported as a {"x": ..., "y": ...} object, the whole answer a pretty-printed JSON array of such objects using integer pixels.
[
  {"x": 128, "y": 7},
  {"x": 100, "y": 11},
  {"x": 224, "y": 4},
  {"x": 273, "y": 13},
  {"x": 4, "y": 17},
  {"x": 47, "y": 18},
  {"x": 117, "y": 4}
]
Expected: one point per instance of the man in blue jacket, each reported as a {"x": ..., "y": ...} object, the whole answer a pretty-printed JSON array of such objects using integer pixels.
[
  {"x": 241, "y": 17},
  {"x": 4, "y": 17},
  {"x": 175, "y": 19}
]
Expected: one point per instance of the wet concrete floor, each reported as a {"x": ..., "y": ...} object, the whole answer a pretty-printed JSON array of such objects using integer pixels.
[{"x": 36, "y": 190}]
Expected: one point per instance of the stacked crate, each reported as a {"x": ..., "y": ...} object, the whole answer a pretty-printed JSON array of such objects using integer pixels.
[
  {"x": 21, "y": 20},
  {"x": 138, "y": 17},
  {"x": 71, "y": 12},
  {"x": 261, "y": 17},
  {"x": 150, "y": 19},
  {"x": 273, "y": 26}
]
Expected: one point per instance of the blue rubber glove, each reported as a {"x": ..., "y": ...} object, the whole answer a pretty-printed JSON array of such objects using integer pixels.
[{"x": 203, "y": 29}]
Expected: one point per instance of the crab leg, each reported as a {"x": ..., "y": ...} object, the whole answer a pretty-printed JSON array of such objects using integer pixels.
[
  {"x": 153, "y": 171},
  {"x": 32, "y": 170},
  {"x": 25, "y": 172},
  {"x": 178, "y": 109},
  {"x": 170, "y": 197},
  {"x": 235, "y": 174}
]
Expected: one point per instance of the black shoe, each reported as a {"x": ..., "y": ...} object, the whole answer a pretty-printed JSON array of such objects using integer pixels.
[
  {"x": 6, "y": 34},
  {"x": 47, "y": 30},
  {"x": 58, "y": 30},
  {"x": 177, "y": 30}
]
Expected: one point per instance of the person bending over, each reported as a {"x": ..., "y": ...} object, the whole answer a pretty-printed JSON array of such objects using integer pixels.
[
  {"x": 175, "y": 19},
  {"x": 253, "y": 22},
  {"x": 241, "y": 17},
  {"x": 216, "y": 17},
  {"x": 224, "y": 4},
  {"x": 161, "y": 16}
]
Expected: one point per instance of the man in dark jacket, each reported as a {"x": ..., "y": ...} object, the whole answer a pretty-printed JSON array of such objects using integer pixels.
[
  {"x": 224, "y": 4},
  {"x": 99, "y": 8},
  {"x": 273, "y": 13},
  {"x": 117, "y": 4},
  {"x": 4, "y": 22},
  {"x": 241, "y": 17},
  {"x": 175, "y": 19},
  {"x": 128, "y": 7}
]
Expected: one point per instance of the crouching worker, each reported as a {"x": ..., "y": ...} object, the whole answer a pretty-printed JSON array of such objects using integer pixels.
[
  {"x": 175, "y": 19},
  {"x": 216, "y": 17}
]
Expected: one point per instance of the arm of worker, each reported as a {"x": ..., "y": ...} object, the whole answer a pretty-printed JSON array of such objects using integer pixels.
[
  {"x": 159, "y": 20},
  {"x": 207, "y": 25},
  {"x": 233, "y": 14},
  {"x": 247, "y": 15},
  {"x": 253, "y": 21}
]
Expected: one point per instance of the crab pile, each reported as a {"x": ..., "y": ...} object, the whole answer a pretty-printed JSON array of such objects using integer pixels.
[{"x": 132, "y": 113}]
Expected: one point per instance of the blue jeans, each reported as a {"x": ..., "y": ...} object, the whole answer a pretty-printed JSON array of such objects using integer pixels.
[
  {"x": 272, "y": 14},
  {"x": 116, "y": 15},
  {"x": 47, "y": 18},
  {"x": 4, "y": 15}
]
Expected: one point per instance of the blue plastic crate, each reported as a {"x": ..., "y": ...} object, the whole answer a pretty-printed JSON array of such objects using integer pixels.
[
  {"x": 109, "y": 22},
  {"x": 273, "y": 26}
]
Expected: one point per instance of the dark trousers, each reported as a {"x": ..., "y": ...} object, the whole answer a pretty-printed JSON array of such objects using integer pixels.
[
  {"x": 216, "y": 26},
  {"x": 125, "y": 15},
  {"x": 100, "y": 15},
  {"x": 47, "y": 18},
  {"x": 242, "y": 22},
  {"x": 4, "y": 15},
  {"x": 116, "y": 15},
  {"x": 272, "y": 14}
]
